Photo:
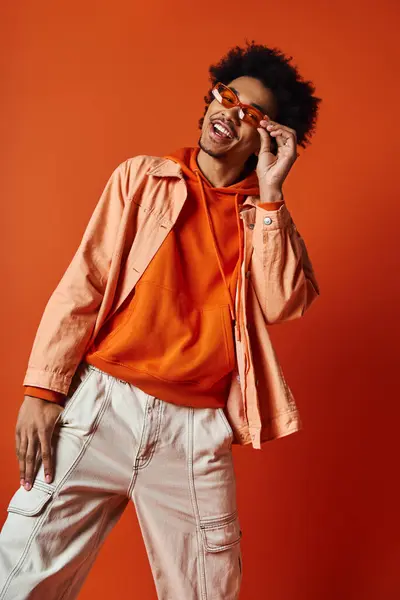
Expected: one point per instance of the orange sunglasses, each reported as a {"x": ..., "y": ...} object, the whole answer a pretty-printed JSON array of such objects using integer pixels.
[{"x": 228, "y": 98}]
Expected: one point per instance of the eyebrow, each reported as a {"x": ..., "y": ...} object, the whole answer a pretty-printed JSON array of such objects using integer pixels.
[{"x": 260, "y": 108}]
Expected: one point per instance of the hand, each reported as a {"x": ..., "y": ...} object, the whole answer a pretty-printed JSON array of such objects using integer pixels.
[
  {"x": 35, "y": 426},
  {"x": 273, "y": 169}
]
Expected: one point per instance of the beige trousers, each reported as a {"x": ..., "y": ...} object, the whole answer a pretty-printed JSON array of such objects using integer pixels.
[{"x": 113, "y": 443}]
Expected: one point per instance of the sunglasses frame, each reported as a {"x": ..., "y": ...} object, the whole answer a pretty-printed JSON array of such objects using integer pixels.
[{"x": 242, "y": 115}]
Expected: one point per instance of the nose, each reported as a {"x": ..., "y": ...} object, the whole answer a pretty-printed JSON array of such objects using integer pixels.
[{"x": 233, "y": 114}]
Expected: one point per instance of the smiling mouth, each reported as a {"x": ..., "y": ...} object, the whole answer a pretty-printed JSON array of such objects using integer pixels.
[{"x": 221, "y": 132}]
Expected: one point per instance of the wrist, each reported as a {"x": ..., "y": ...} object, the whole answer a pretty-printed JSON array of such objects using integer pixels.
[{"x": 270, "y": 194}]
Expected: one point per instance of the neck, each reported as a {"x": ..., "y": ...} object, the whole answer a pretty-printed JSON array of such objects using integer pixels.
[{"x": 218, "y": 171}]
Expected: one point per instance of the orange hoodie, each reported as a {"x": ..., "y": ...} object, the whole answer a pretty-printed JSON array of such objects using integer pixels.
[{"x": 172, "y": 337}]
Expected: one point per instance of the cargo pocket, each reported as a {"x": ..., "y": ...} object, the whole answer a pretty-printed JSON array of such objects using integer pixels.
[
  {"x": 221, "y": 534},
  {"x": 32, "y": 503}
]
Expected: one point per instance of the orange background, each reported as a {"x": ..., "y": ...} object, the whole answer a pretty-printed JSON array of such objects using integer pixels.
[{"x": 88, "y": 84}]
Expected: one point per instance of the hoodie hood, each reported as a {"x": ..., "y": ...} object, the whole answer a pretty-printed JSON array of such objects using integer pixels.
[{"x": 187, "y": 159}]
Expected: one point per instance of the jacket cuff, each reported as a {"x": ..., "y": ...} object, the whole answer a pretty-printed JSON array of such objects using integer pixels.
[
  {"x": 44, "y": 394},
  {"x": 271, "y": 205},
  {"x": 267, "y": 220}
]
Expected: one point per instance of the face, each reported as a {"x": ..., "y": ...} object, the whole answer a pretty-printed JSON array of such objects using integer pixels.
[{"x": 242, "y": 139}]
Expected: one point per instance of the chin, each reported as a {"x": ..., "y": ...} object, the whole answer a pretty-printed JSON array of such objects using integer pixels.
[{"x": 207, "y": 148}]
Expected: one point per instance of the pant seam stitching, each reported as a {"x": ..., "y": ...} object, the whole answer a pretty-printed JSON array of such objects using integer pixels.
[
  {"x": 195, "y": 505},
  {"x": 157, "y": 436},
  {"x": 136, "y": 459}
]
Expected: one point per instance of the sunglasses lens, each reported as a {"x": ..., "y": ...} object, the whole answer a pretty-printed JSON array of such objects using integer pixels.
[
  {"x": 253, "y": 117},
  {"x": 228, "y": 98}
]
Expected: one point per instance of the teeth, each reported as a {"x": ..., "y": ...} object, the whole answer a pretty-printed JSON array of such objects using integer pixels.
[{"x": 222, "y": 129}]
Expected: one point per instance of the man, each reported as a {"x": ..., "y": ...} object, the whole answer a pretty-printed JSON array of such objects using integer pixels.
[{"x": 153, "y": 357}]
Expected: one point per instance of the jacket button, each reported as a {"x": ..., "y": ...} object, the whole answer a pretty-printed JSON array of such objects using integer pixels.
[
  {"x": 251, "y": 225},
  {"x": 267, "y": 221}
]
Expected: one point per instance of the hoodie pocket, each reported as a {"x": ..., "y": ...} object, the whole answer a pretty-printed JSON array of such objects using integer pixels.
[{"x": 166, "y": 339}]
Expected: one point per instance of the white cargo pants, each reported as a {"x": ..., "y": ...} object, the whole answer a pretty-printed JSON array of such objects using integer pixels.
[{"x": 114, "y": 443}]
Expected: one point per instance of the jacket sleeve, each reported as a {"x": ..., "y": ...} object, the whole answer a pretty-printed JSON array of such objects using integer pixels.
[
  {"x": 70, "y": 313},
  {"x": 280, "y": 269}
]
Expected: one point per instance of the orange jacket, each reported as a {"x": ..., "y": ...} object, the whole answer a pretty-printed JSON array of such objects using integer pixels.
[{"x": 138, "y": 208}]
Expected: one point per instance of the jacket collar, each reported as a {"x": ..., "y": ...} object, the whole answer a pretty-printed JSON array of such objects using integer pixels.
[
  {"x": 170, "y": 168},
  {"x": 166, "y": 168}
]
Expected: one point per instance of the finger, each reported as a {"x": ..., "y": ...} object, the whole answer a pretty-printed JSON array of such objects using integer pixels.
[
  {"x": 45, "y": 445},
  {"x": 17, "y": 447},
  {"x": 285, "y": 127},
  {"x": 38, "y": 461},
  {"x": 30, "y": 460},
  {"x": 287, "y": 131},
  {"x": 21, "y": 457},
  {"x": 283, "y": 138},
  {"x": 265, "y": 140}
]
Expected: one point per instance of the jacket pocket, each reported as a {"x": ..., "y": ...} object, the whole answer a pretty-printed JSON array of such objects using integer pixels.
[
  {"x": 221, "y": 534},
  {"x": 32, "y": 503}
]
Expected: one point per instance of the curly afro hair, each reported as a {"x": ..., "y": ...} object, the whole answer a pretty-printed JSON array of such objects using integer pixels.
[{"x": 297, "y": 106}]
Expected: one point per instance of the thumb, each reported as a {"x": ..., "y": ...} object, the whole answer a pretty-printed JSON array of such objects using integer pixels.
[{"x": 265, "y": 140}]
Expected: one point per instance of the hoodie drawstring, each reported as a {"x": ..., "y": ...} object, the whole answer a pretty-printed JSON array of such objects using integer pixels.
[
  {"x": 240, "y": 261},
  {"x": 217, "y": 253}
]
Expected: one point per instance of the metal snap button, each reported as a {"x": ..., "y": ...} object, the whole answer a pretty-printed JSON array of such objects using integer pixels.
[
  {"x": 251, "y": 225},
  {"x": 267, "y": 221}
]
